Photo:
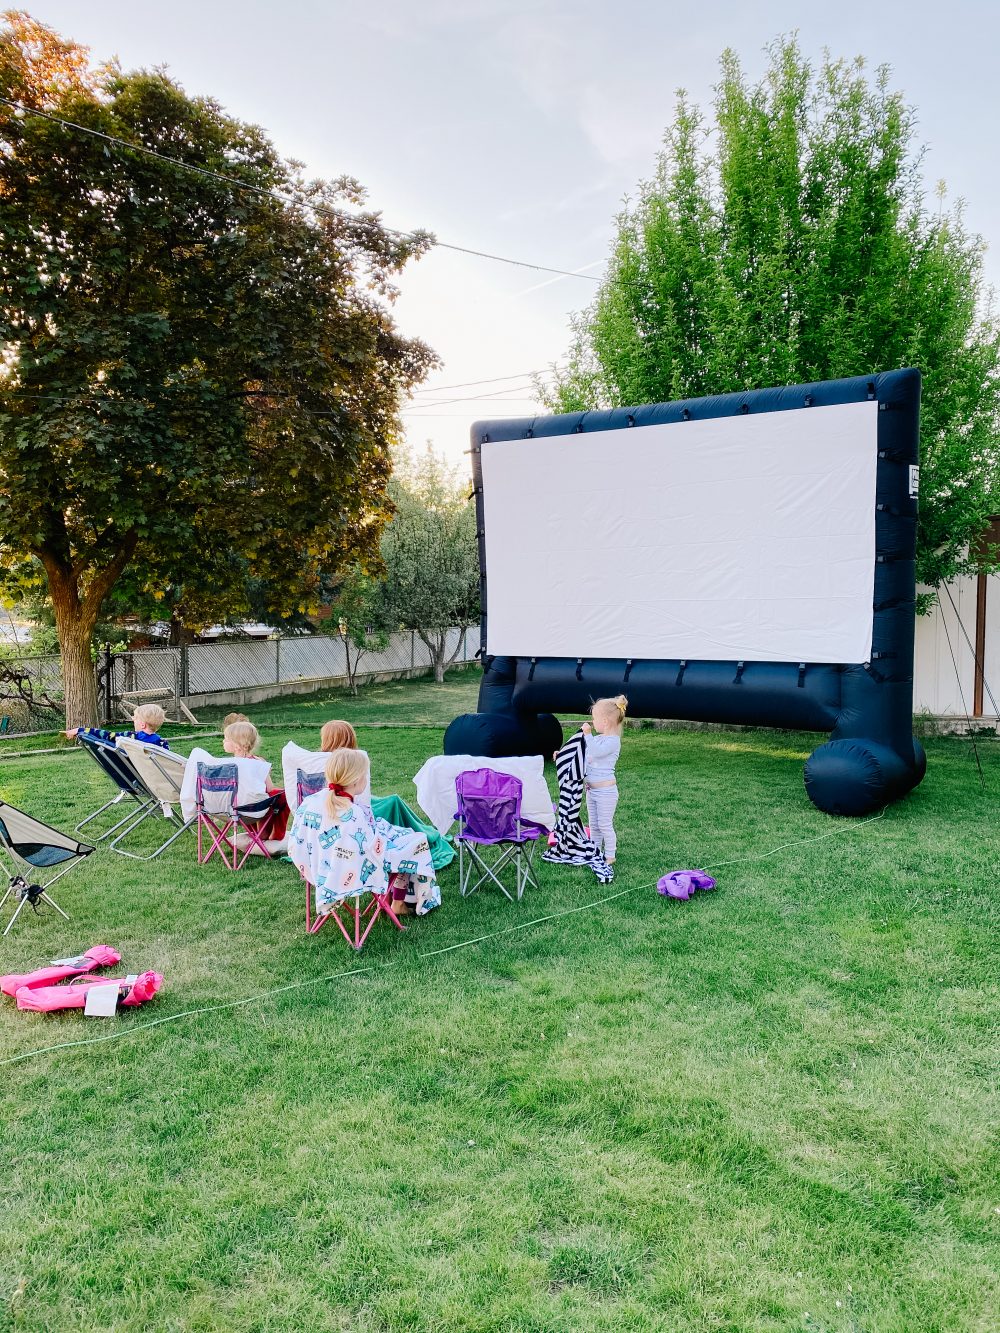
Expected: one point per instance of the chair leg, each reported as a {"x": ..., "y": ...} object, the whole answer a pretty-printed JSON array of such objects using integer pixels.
[
  {"x": 120, "y": 851},
  {"x": 20, "y": 908}
]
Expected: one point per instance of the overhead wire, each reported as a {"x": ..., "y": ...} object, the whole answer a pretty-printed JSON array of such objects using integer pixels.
[
  {"x": 497, "y": 379},
  {"x": 282, "y": 197}
]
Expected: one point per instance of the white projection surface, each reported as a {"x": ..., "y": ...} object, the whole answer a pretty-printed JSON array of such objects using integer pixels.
[{"x": 736, "y": 538}]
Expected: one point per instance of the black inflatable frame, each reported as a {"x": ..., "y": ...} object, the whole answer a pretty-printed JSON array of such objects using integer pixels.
[{"x": 871, "y": 757}]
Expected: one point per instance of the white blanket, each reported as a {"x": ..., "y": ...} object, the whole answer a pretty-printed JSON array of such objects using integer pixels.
[
  {"x": 435, "y": 784},
  {"x": 252, "y": 777},
  {"x": 294, "y": 759}
]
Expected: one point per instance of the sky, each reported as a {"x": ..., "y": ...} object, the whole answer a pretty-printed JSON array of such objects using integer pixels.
[{"x": 520, "y": 128}]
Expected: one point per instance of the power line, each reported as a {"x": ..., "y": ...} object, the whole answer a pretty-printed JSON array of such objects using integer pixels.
[
  {"x": 278, "y": 195},
  {"x": 496, "y": 395},
  {"x": 498, "y": 379}
]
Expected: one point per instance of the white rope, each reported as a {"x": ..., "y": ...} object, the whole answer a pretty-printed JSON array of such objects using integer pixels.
[{"x": 389, "y": 963}]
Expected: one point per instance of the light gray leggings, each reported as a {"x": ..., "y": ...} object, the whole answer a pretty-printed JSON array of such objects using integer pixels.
[{"x": 601, "y": 805}]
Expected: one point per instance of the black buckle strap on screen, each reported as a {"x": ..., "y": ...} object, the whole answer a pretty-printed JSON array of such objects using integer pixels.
[
  {"x": 628, "y": 670},
  {"x": 531, "y": 669},
  {"x": 881, "y": 656},
  {"x": 579, "y": 668},
  {"x": 680, "y": 672},
  {"x": 488, "y": 662},
  {"x": 891, "y": 557},
  {"x": 895, "y": 456},
  {"x": 802, "y": 675},
  {"x": 891, "y": 509},
  {"x": 740, "y": 668},
  {"x": 871, "y": 390}
]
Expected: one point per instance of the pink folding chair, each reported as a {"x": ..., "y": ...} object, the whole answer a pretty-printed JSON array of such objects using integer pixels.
[
  {"x": 222, "y": 820},
  {"x": 359, "y": 920}
]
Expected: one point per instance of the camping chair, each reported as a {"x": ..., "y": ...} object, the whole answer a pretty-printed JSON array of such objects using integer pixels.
[
  {"x": 351, "y": 929},
  {"x": 161, "y": 774},
  {"x": 489, "y": 816},
  {"x": 115, "y": 765},
  {"x": 34, "y": 846},
  {"x": 307, "y": 784},
  {"x": 216, "y": 795}
]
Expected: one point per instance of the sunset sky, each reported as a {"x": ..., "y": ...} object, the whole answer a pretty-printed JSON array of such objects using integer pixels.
[{"x": 518, "y": 129}]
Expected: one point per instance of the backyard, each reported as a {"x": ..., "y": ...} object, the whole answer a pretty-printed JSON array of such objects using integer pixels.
[{"x": 771, "y": 1108}]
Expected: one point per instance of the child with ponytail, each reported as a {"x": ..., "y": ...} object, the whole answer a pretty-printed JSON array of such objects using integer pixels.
[
  {"x": 342, "y": 850},
  {"x": 604, "y": 745}
]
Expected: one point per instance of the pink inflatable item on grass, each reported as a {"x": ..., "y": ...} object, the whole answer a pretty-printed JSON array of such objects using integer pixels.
[
  {"x": 59, "y": 969},
  {"x": 48, "y": 999}
]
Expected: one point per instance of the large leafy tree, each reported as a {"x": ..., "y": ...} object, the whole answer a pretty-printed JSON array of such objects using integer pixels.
[
  {"x": 200, "y": 381},
  {"x": 789, "y": 239},
  {"x": 430, "y": 556}
]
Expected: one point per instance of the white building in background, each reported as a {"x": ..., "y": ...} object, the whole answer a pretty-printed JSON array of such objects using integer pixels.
[{"x": 957, "y": 652}]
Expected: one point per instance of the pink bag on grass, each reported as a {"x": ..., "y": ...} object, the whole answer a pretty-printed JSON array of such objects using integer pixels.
[
  {"x": 48, "y": 999},
  {"x": 61, "y": 968}
]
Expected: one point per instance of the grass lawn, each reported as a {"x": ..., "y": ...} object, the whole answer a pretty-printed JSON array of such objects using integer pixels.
[{"x": 771, "y": 1108}]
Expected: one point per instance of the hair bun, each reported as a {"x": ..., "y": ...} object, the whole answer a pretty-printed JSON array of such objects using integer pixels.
[{"x": 622, "y": 703}]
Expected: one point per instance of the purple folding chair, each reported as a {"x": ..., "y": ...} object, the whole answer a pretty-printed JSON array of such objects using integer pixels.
[{"x": 489, "y": 816}]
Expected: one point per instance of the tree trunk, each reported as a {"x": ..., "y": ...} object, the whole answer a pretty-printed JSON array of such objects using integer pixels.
[
  {"x": 440, "y": 641},
  {"x": 75, "y": 617},
  {"x": 75, "y": 628}
]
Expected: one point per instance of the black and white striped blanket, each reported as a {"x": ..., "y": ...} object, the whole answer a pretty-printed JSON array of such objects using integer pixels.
[{"x": 572, "y": 847}]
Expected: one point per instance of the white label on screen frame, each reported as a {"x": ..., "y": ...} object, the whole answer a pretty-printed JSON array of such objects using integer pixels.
[
  {"x": 914, "y": 481},
  {"x": 734, "y": 538}
]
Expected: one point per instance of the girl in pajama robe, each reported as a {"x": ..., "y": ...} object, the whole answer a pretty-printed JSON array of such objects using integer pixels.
[{"x": 339, "y": 850}]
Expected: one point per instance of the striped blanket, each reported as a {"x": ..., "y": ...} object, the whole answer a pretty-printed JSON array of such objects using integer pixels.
[{"x": 572, "y": 847}]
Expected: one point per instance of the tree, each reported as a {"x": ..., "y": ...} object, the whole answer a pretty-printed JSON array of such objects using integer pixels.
[
  {"x": 791, "y": 241},
  {"x": 430, "y": 556},
  {"x": 358, "y": 611},
  {"x": 199, "y": 382}
]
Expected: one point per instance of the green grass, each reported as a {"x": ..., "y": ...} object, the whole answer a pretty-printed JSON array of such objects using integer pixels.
[{"x": 772, "y": 1108}]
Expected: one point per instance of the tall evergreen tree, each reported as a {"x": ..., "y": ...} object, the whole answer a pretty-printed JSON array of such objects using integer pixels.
[{"x": 789, "y": 239}]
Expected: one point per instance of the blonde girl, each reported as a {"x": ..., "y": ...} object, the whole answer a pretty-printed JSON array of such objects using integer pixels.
[
  {"x": 604, "y": 744},
  {"x": 333, "y": 839},
  {"x": 240, "y": 739}
]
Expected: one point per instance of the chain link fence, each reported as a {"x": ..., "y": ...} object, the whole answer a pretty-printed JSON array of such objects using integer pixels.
[
  {"x": 31, "y": 694},
  {"x": 31, "y": 689}
]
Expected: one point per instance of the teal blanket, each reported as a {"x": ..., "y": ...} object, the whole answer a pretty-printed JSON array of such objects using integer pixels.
[{"x": 394, "y": 810}]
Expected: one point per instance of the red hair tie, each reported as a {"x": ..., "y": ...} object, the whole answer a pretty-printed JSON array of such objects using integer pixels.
[{"x": 338, "y": 790}]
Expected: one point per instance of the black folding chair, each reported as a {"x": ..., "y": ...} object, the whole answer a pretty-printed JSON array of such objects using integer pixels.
[
  {"x": 116, "y": 765},
  {"x": 30, "y": 847}
]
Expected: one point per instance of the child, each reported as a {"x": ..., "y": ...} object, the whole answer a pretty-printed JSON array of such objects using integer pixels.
[
  {"x": 240, "y": 739},
  {"x": 413, "y": 894},
  {"x": 337, "y": 735},
  {"x": 230, "y": 718},
  {"x": 604, "y": 745},
  {"x": 146, "y": 721},
  {"x": 334, "y": 840}
]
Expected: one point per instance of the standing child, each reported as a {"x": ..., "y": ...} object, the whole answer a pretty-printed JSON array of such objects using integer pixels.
[{"x": 604, "y": 745}]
